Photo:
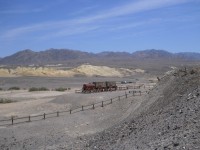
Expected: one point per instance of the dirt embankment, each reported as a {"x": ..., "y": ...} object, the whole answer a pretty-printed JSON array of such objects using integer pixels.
[
  {"x": 169, "y": 118},
  {"x": 83, "y": 70}
]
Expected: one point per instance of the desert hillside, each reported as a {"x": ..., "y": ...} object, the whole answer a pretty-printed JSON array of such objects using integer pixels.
[
  {"x": 167, "y": 119},
  {"x": 83, "y": 70}
]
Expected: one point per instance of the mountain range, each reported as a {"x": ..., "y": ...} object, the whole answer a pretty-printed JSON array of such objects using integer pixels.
[{"x": 75, "y": 57}]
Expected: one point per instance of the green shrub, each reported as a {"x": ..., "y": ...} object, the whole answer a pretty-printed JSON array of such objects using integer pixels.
[
  {"x": 33, "y": 89},
  {"x": 38, "y": 89},
  {"x": 43, "y": 89},
  {"x": 61, "y": 89},
  {"x": 4, "y": 101},
  {"x": 14, "y": 88}
]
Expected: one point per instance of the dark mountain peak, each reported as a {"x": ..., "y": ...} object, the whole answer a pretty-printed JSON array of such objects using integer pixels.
[
  {"x": 27, "y": 51},
  {"x": 114, "y": 54},
  {"x": 152, "y": 53},
  {"x": 23, "y": 53},
  {"x": 74, "y": 57},
  {"x": 188, "y": 55},
  {"x": 27, "y": 57}
]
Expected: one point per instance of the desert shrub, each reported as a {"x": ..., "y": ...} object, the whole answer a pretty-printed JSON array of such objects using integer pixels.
[
  {"x": 61, "y": 89},
  {"x": 33, "y": 89},
  {"x": 38, "y": 89},
  {"x": 4, "y": 101},
  {"x": 43, "y": 89},
  {"x": 1, "y": 89},
  {"x": 14, "y": 88}
]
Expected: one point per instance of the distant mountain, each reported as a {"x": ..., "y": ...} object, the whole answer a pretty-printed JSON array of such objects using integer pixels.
[
  {"x": 152, "y": 54},
  {"x": 114, "y": 54},
  {"x": 75, "y": 57},
  {"x": 188, "y": 55},
  {"x": 27, "y": 57}
]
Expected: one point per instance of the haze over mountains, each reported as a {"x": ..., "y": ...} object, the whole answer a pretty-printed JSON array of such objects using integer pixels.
[{"x": 54, "y": 56}]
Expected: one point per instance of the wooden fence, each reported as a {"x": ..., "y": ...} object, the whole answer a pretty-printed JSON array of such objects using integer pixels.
[{"x": 17, "y": 120}]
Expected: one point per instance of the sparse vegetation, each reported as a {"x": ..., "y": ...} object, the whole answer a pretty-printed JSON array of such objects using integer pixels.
[
  {"x": 14, "y": 88},
  {"x": 4, "y": 101},
  {"x": 38, "y": 89},
  {"x": 1, "y": 89},
  {"x": 33, "y": 89},
  {"x": 61, "y": 89}
]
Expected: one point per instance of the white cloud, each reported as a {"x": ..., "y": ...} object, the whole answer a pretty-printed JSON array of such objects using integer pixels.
[
  {"x": 119, "y": 11},
  {"x": 132, "y": 8},
  {"x": 69, "y": 32}
]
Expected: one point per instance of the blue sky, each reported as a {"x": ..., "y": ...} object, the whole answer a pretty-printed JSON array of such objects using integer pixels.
[{"x": 99, "y": 25}]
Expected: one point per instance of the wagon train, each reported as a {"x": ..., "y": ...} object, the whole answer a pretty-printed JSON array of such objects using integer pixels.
[{"x": 99, "y": 87}]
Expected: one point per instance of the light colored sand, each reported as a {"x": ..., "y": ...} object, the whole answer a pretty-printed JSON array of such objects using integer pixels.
[
  {"x": 85, "y": 70},
  {"x": 29, "y": 102}
]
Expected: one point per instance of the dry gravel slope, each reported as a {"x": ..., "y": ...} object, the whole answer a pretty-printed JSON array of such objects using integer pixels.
[{"x": 169, "y": 118}]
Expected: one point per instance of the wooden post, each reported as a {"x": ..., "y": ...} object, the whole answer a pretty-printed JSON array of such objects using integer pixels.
[
  {"x": 12, "y": 119},
  {"x": 93, "y": 106},
  {"x": 44, "y": 116},
  {"x": 111, "y": 100},
  {"x": 57, "y": 113},
  {"x": 82, "y": 108},
  {"x": 70, "y": 111},
  {"x": 29, "y": 118},
  {"x": 102, "y": 104},
  {"x": 133, "y": 93}
]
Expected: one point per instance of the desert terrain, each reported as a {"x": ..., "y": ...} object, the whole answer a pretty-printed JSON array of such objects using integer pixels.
[
  {"x": 49, "y": 133},
  {"x": 99, "y": 75},
  {"x": 164, "y": 116}
]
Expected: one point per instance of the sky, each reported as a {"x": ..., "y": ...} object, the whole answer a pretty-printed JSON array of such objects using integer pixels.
[{"x": 99, "y": 25}]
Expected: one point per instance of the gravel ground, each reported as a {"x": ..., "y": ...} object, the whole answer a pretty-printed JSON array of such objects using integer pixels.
[
  {"x": 66, "y": 130},
  {"x": 169, "y": 118}
]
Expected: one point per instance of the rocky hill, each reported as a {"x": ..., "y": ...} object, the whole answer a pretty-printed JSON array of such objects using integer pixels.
[{"x": 168, "y": 118}]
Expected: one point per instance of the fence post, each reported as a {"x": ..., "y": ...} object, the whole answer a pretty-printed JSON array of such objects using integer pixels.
[
  {"x": 111, "y": 100},
  {"x": 93, "y": 106},
  {"x": 70, "y": 111},
  {"x": 102, "y": 104},
  {"x": 12, "y": 119},
  {"x": 44, "y": 116},
  {"x": 29, "y": 118},
  {"x": 133, "y": 93},
  {"x": 82, "y": 108},
  {"x": 57, "y": 113},
  {"x": 126, "y": 95}
]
